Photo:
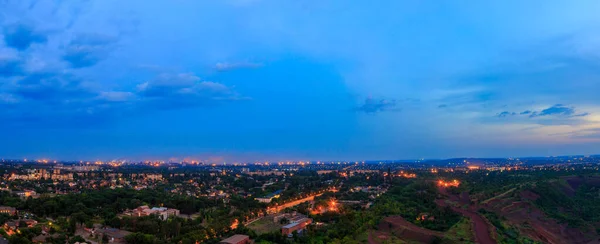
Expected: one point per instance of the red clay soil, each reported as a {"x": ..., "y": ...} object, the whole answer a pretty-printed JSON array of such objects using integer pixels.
[
  {"x": 377, "y": 237},
  {"x": 533, "y": 223},
  {"x": 399, "y": 227},
  {"x": 529, "y": 195},
  {"x": 480, "y": 226},
  {"x": 483, "y": 230},
  {"x": 576, "y": 181}
]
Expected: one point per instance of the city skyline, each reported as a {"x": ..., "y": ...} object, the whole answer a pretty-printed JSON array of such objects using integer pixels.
[
  {"x": 220, "y": 161},
  {"x": 257, "y": 80}
]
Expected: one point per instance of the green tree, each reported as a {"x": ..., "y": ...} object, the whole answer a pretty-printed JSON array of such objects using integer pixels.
[
  {"x": 76, "y": 238},
  {"x": 140, "y": 238}
]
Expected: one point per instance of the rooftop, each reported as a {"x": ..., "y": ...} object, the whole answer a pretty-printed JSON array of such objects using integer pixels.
[
  {"x": 235, "y": 239},
  {"x": 290, "y": 225},
  {"x": 116, "y": 233}
]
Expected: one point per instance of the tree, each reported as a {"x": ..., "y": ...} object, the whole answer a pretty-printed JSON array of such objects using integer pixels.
[
  {"x": 72, "y": 226},
  {"x": 284, "y": 221},
  {"x": 115, "y": 222},
  {"x": 104, "y": 238},
  {"x": 77, "y": 238},
  {"x": 14, "y": 239},
  {"x": 89, "y": 224},
  {"x": 80, "y": 217},
  {"x": 139, "y": 238}
]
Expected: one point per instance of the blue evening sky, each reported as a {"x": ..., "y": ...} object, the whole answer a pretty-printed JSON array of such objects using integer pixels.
[{"x": 245, "y": 80}]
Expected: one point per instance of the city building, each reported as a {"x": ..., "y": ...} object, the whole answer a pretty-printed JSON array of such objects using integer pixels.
[
  {"x": 8, "y": 210},
  {"x": 26, "y": 193},
  {"x": 13, "y": 225},
  {"x": 296, "y": 226},
  {"x": 114, "y": 235},
  {"x": 237, "y": 239},
  {"x": 269, "y": 198},
  {"x": 163, "y": 213},
  {"x": 43, "y": 173},
  {"x": 43, "y": 238}
]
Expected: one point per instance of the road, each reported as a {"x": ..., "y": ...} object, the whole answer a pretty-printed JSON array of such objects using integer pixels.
[
  {"x": 85, "y": 235},
  {"x": 278, "y": 208}
]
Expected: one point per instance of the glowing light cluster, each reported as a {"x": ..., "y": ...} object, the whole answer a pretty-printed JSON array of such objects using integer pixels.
[
  {"x": 407, "y": 175},
  {"x": 453, "y": 183},
  {"x": 332, "y": 205}
]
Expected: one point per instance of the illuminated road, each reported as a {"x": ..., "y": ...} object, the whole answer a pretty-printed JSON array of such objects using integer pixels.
[{"x": 278, "y": 208}]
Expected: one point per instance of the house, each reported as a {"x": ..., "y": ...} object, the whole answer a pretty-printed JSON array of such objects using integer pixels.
[
  {"x": 29, "y": 222},
  {"x": 10, "y": 226},
  {"x": 263, "y": 199},
  {"x": 8, "y": 210},
  {"x": 296, "y": 226},
  {"x": 279, "y": 217},
  {"x": 237, "y": 239},
  {"x": 26, "y": 193},
  {"x": 163, "y": 213},
  {"x": 14, "y": 224},
  {"x": 114, "y": 235},
  {"x": 296, "y": 219},
  {"x": 268, "y": 198},
  {"x": 43, "y": 237},
  {"x": 425, "y": 216}
]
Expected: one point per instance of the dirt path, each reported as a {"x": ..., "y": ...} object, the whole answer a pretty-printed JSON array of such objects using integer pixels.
[
  {"x": 480, "y": 226},
  {"x": 499, "y": 196},
  {"x": 254, "y": 220}
]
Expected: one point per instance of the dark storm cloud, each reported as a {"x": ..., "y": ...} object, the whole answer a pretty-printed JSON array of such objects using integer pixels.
[{"x": 21, "y": 36}]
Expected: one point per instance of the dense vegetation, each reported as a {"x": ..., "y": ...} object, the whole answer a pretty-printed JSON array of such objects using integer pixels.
[
  {"x": 576, "y": 210},
  {"x": 408, "y": 200},
  {"x": 102, "y": 206},
  {"x": 506, "y": 234},
  {"x": 413, "y": 199}
]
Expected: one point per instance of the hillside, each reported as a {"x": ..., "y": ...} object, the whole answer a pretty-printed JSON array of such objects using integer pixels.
[{"x": 564, "y": 210}]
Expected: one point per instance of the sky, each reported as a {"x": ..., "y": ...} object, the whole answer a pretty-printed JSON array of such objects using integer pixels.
[{"x": 265, "y": 80}]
